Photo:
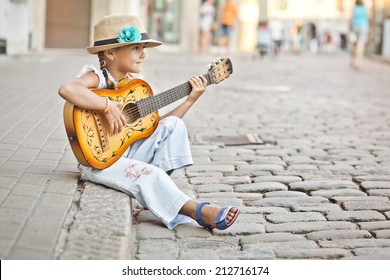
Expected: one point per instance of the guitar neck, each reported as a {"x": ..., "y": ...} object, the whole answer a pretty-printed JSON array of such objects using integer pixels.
[{"x": 156, "y": 102}]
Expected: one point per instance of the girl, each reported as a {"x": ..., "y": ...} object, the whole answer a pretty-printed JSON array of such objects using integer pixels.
[{"x": 142, "y": 172}]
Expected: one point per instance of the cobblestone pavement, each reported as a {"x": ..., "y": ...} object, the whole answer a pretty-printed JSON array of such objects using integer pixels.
[{"x": 317, "y": 187}]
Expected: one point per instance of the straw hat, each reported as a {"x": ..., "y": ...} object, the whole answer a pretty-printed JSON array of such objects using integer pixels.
[{"x": 117, "y": 31}]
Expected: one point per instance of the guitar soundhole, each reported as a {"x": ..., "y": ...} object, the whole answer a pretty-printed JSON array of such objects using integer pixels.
[{"x": 130, "y": 112}]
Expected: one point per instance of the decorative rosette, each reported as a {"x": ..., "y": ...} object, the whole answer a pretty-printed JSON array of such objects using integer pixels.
[{"x": 129, "y": 34}]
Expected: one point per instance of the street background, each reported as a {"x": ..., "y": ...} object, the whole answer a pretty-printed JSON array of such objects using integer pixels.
[{"x": 309, "y": 166}]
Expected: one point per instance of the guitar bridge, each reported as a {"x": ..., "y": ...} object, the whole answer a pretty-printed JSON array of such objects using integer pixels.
[{"x": 103, "y": 137}]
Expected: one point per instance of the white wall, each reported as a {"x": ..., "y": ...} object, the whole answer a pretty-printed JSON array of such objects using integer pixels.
[{"x": 14, "y": 25}]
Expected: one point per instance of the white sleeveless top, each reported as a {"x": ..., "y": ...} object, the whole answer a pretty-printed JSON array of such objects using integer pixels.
[{"x": 102, "y": 80}]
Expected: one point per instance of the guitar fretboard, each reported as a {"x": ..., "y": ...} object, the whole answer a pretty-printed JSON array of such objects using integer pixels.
[{"x": 155, "y": 102}]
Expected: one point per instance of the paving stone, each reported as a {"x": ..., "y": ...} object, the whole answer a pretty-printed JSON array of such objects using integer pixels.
[
  {"x": 373, "y": 177},
  {"x": 29, "y": 254},
  {"x": 338, "y": 234},
  {"x": 276, "y": 152},
  {"x": 270, "y": 237},
  {"x": 260, "y": 167},
  {"x": 12, "y": 215},
  {"x": 10, "y": 229},
  {"x": 192, "y": 230},
  {"x": 251, "y": 218},
  {"x": 341, "y": 199},
  {"x": 326, "y": 175},
  {"x": 339, "y": 192},
  {"x": 204, "y": 174},
  {"x": 19, "y": 201},
  {"x": 212, "y": 244},
  {"x": 145, "y": 216},
  {"x": 211, "y": 167},
  {"x": 157, "y": 256},
  {"x": 369, "y": 185},
  {"x": 337, "y": 167},
  {"x": 244, "y": 196},
  {"x": 380, "y": 192},
  {"x": 214, "y": 188},
  {"x": 367, "y": 205},
  {"x": 295, "y": 217},
  {"x": 263, "y": 210},
  {"x": 286, "y": 201},
  {"x": 199, "y": 254},
  {"x": 354, "y": 243},
  {"x": 290, "y": 245},
  {"x": 231, "y": 180},
  {"x": 370, "y": 226},
  {"x": 322, "y": 185},
  {"x": 158, "y": 246},
  {"x": 320, "y": 253},
  {"x": 251, "y": 173},
  {"x": 382, "y": 233},
  {"x": 387, "y": 214},
  {"x": 248, "y": 254},
  {"x": 241, "y": 229},
  {"x": 284, "y": 194},
  {"x": 7, "y": 182},
  {"x": 373, "y": 253},
  {"x": 35, "y": 179},
  {"x": 355, "y": 216},
  {"x": 316, "y": 207},
  {"x": 305, "y": 227},
  {"x": 153, "y": 231},
  {"x": 279, "y": 179},
  {"x": 301, "y": 167},
  {"x": 261, "y": 187}
]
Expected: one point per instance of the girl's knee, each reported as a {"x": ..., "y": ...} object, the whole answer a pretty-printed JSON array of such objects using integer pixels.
[{"x": 172, "y": 122}]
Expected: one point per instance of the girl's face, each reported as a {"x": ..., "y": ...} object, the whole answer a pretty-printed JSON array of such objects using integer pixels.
[{"x": 128, "y": 59}]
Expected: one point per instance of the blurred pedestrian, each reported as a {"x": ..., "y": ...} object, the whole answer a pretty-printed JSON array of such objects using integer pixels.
[
  {"x": 229, "y": 15},
  {"x": 277, "y": 35},
  {"x": 207, "y": 14},
  {"x": 263, "y": 38},
  {"x": 359, "y": 33},
  {"x": 143, "y": 170}
]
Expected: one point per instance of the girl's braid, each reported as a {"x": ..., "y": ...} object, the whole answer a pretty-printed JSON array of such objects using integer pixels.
[{"x": 103, "y": 67}]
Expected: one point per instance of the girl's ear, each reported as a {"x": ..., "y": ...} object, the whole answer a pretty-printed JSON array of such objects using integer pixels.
[{"x": 109, "y": 54}]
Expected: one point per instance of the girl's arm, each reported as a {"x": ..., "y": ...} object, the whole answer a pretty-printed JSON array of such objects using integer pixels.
[
  {"x": 77, "y": 91},
  {"x": 198, "y": 87}
]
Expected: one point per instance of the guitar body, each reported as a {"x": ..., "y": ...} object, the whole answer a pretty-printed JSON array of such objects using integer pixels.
[{"x": 88, "y": 134}]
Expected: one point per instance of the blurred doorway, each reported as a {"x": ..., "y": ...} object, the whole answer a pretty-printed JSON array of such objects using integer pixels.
[{"x": 67, "y": 24}]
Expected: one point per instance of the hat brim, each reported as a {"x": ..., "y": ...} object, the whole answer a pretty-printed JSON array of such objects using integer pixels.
[{"x": 148, "y": 44}]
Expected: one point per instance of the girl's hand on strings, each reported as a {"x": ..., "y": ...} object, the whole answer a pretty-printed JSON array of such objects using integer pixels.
[{"x": 115, "y": 120}]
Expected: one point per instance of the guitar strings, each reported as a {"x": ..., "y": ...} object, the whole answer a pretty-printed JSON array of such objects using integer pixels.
[{"x": 151, "y": 104}]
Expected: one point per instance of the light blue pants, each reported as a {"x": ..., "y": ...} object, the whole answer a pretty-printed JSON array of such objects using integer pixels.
[{"x": 142, "y": 171}]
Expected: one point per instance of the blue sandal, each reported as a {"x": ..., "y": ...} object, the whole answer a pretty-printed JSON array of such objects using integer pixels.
[{"x": 220, "y": 221}]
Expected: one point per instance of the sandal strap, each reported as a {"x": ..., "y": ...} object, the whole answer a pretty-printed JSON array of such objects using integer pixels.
[{"x": 199, "y": 219}]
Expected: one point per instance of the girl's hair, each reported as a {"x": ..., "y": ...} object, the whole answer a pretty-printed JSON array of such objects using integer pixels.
[
  {"x": 103, "y": 67},
  {"x": 359, "y": 2}
]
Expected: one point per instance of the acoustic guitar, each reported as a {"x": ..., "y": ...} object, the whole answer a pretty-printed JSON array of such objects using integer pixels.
[{"x": 88, "y": 133}]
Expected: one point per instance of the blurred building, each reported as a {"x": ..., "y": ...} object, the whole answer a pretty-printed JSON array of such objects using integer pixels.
[{"x": 35, "y": 25}]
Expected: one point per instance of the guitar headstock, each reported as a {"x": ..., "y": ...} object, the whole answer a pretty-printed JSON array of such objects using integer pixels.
[{"x": 220, "y": 69}]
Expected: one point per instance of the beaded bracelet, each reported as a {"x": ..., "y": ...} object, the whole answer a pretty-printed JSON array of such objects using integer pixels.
[{"x": 107, "y": 107}]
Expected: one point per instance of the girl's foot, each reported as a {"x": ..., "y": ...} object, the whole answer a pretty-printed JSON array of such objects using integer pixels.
[
  {"x": 213, "y": 216},
  {"x": 210, "y": 216}
]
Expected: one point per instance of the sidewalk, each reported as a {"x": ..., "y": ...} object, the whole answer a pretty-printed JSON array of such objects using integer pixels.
[{"x": 317, "y": 187}]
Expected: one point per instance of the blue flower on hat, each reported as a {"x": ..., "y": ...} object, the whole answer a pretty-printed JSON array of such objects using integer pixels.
[{"x": 129, "y": 34}]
